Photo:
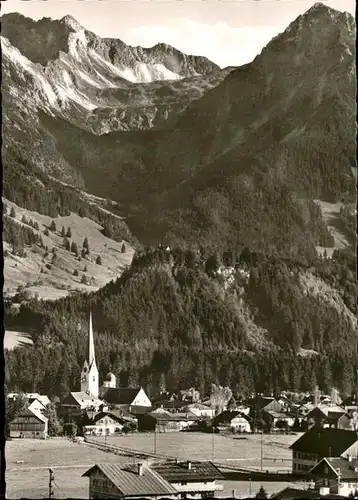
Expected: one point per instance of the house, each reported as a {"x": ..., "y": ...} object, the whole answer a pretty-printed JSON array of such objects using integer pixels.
[
  {"x": 200, "y": 410},
  {"x": 105, "y": 423},
  {"x": 350, "y": 403},
  {"x": 318, "y": 443},
  {"x": 133, "y": 399},
  {"x": 192, "y": 479},
  {"x": 172, "y": 405},
  {"x": 336, "y": 475},
  {"x": 132, "y": 481},
  {"x": 31, "y": 396},
  {"x": 326, "y": 416},
  {"x": 298, "y": 494},
  {"x": 260, "y": 403},
  {"x": 164, "y": 421},
  {"x": 278, "y": 419},
  {"x": 37, "y": 405},
  {"x": 76, "y": 402},
  {"x": 233, "y": 420},
  {"x": 30, "y": 423}
]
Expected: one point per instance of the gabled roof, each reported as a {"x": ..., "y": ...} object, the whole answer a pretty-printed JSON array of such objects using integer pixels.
[
  {"x": 166, "y": 416},
  {"x": 179, "y": 471},
  {"x": 198, "y": 406},
  {"x": 297, "y": 494},
  {"x": 325, "y": 441},
  {"x": 279, "y": 414},
  {"x": 81, "y": 398},
  {"x": 121, "y": 395},
  {"x": 345, "y": 468},
  {"x": 130, "y": 483},
  {"x": 227, "y": 415},
  {"x": 30, "y": 412}
]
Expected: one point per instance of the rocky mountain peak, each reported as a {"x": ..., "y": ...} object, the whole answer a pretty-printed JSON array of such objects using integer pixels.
[{"x": 71, "y": 23}]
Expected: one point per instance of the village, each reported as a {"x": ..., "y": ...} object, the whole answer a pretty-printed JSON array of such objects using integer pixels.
[{"x": 312, "y": 439}]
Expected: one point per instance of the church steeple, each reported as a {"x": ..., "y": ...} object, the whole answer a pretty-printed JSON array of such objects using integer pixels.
[
  {"x": 91, "y": 356},
  {"x": 89, "y": 374}
]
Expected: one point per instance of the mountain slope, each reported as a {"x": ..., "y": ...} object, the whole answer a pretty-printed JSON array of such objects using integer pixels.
[{"x": 191, "y": 321}]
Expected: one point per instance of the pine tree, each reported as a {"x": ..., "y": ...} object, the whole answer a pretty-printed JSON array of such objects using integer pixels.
[
  {"x": 36, "y": 226},
  {"x": 53, "y": 226},
  {"x": 123, "y": 248},
  {"x": 46, "y": 232},
  {"x": 69, "y": 233},
  {"x": 83, "y": 253},
  {"x": 63, "y": 232},
  {"x": 85, "y": 243},
  {"x": 74, "y": 248},
  {"x": 75, "y": 272},
  {"x": 66, "y": 244},
  {"x": 12, "y": 212},
  {"x": 24, "y": 220},
  {"x": 99, "y": 260}
]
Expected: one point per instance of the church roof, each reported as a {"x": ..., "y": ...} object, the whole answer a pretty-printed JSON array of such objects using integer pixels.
[
  {"x": 121, "y": 395},
  {"x": 82, "y": 398}
]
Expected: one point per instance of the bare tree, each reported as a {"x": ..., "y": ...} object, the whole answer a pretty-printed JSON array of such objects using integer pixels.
[{"x": 220, "y": 396}]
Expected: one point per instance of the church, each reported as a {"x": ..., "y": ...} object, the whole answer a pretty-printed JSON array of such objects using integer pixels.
[{"x": 95, "y": 398}]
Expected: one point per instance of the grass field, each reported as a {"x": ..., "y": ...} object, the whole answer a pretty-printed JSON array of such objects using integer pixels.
[{"x": 70, "y": 460}]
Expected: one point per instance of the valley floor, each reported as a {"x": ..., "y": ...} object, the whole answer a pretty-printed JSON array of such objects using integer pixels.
[{"x": 70, "y": 460}]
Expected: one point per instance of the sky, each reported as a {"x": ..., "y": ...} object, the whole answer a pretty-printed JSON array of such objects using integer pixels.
[{"x": 229, "y": 32}]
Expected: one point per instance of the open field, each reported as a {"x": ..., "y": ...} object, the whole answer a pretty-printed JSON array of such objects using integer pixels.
[
  {"x": 70, "y": 460},
  {"x": 240, "y": 451},
  {"x": 49, "y": 279},
  {"x": 16, "y": 339}
]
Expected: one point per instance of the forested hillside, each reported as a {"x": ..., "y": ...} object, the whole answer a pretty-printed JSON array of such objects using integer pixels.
[{"x": 239, "y": 320}]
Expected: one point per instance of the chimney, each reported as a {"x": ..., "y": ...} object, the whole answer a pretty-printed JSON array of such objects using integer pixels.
[
  {"x": 140, "y": 469},
  {"x": 189, "y": 465},
  {"x": 349, "y": 458}
]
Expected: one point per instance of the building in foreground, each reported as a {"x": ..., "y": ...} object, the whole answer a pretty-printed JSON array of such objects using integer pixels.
[
  {"x": 30, "y": 423},
  {"x": 336, "y": 475},
  {"x": 192, "y": 480},
  {"x": 128, "y": 481},
  {"x": 319, "y": 443}
]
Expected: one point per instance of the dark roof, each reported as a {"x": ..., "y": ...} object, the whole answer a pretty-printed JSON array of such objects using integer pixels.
[
  {"x": 227, "y": 415},
  {"x": 179, "y": 471},
  {"x": 122, "y": 413},
  {"x": 350, "y": 401},
  {"x": 130, "y": 483},
  {"x": 260, "y": 402},
  {"x": 347, "y": 468},
  {"x": 139, "y": 410},
  {"x": 325, "y": 442},
  {"x": 165, "y": 416},
  {"x": 171, "y": 404},
  {"x": 110, "y": 414},
  {"x": 296, "y": 494},
  {"x": 120, "y": 395}
]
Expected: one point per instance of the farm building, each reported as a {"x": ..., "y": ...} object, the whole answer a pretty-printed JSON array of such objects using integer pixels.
[
  {"x": 336, "y": 475},
  {"x": 164, "y": 421},
  {"x": 106, "y": 423},
  {"x": 192, "y": 479},
  {"x": 318, "y": 443},
  {"x": 128, "y": 481},
  {"x": 201, "y": 410},
  {"x": 75, "y": 402},
  {"x": 279, "y": 419},
  {"x": 233, "y": 420},
  {"x": 326, "y": 416},
  {"x": 29, "y": 424}
]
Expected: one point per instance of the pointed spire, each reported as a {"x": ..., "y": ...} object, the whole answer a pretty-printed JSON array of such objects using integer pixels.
[{"x": 91, "y": 356}]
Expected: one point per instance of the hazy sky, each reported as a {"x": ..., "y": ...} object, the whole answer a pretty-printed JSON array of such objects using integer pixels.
[{"x": 228, "y": 32}]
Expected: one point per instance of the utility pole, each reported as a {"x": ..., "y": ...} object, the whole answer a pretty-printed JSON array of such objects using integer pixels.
[
  {"x": 262, "y": 449},
  {"x": 339, "y": 478},
  {"x": 250, "y": 490},
  {"x": 213, "y": 446},
  {"x": 50, "y": 484},
  {"x": 155, "y": 441}
]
